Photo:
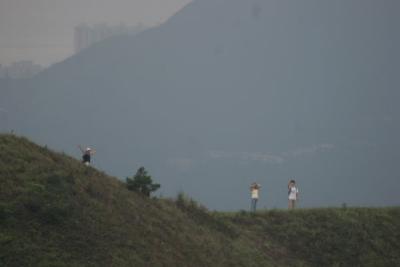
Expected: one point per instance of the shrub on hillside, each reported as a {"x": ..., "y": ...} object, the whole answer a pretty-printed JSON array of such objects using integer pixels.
[
  {"x": 201, "y": 215},
  {"x": 142, "y": 182}
]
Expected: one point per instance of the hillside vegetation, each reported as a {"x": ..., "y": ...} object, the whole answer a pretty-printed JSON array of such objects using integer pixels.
[{"x": 56, "y": 212}]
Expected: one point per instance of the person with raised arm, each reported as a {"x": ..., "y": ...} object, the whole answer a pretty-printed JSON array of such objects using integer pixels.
[
  {"x": 86, "y": 154},
  {"x": 254, "y": 190}
]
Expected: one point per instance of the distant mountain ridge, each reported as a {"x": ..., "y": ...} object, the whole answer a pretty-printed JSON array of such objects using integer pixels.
[{"x": 228, "y": 92}]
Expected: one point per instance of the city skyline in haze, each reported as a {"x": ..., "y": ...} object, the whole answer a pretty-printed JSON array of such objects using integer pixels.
[{"x": 42, "y": 31}]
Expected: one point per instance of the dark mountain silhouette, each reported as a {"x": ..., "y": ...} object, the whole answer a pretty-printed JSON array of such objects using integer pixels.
[{"x": 227, "y": 92}]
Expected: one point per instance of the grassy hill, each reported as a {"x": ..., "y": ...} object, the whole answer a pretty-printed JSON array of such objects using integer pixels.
[{"x": 56, "y": 212}]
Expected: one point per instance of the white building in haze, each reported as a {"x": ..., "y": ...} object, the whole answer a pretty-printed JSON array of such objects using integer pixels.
[{"x": 85, "y": 36}]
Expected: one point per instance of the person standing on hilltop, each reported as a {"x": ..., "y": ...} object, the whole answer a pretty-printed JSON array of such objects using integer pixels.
[
  {"x": 86, "y": 154},
  {"x": 254, "y": 189},
  {"x": 293, "y": 193}
]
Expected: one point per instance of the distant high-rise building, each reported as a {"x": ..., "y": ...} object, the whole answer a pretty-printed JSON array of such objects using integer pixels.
[{"x": 85, "y": 36}]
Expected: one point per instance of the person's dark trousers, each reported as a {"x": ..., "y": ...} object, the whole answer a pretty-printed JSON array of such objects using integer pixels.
[{"x": 253, "y": 204}]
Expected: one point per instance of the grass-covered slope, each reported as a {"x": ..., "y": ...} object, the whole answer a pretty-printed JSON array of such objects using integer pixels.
[
  {"x": 326, "y": 237},
  {"x": 56, "y": 212}
]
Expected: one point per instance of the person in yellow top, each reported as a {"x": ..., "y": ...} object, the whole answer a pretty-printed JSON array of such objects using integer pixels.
[{"x": 254, "y": 189}]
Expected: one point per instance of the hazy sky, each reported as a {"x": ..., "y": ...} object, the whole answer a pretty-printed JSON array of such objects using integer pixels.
[{"x": 42, "y": 30}]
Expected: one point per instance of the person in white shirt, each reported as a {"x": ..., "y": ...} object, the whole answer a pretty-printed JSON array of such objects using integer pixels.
[
  {"x": 254, "y": 189},
  {"x": 293, "y": 193}
]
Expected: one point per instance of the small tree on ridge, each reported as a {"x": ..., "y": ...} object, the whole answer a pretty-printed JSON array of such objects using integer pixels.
[{"x": 142, "y": 182}]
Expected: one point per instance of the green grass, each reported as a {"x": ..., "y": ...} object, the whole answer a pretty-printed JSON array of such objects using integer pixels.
[
  {"x": 56, "y": 212},
  {"x": 326, "y": 237}
]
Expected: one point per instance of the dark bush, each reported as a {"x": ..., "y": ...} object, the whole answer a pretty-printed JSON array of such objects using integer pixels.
[{"x": 142, "y": 182}]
